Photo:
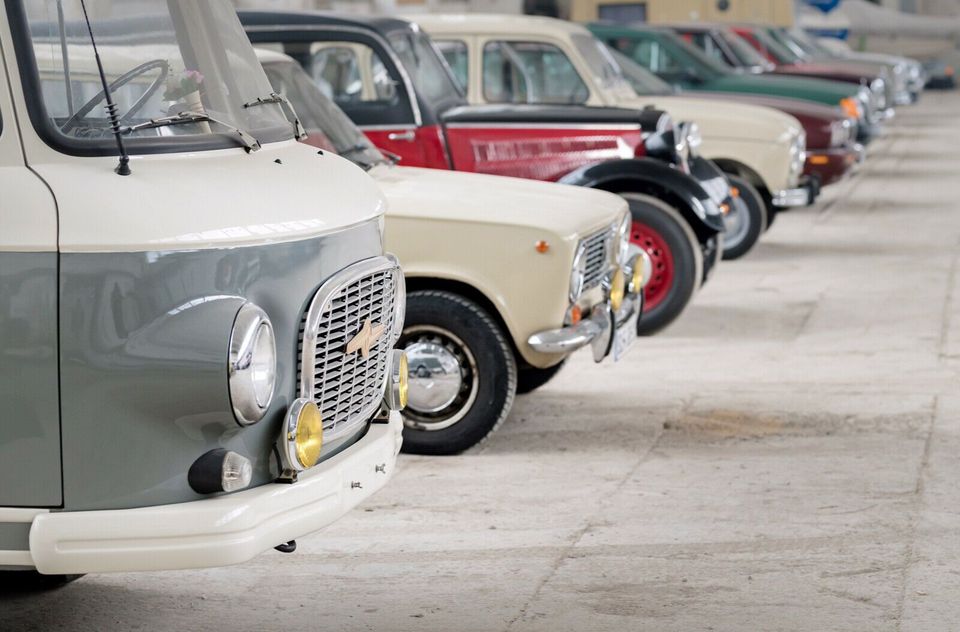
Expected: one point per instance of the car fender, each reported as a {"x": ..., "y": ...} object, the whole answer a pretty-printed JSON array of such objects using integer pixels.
[{"x": 657, "y": 178}]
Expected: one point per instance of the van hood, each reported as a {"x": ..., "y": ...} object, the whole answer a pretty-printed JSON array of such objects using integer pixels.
[
  {"x": 569, "y": 211},
  {"x": 719, "y": 119}
]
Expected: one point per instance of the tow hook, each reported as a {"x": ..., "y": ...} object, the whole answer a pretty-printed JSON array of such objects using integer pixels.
[{"x": 287, "y": 547}]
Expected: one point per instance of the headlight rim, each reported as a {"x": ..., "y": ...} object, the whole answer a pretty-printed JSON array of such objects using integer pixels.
[
  {"x": 249, "y": 325},
  {"x": 578, "y": 277}
]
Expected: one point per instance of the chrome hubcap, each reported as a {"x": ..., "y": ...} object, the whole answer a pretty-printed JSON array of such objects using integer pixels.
[
  {"x": 435, "y": 379},
  {"x": 443, "y": 378},
  {"x": 735, "y": 223}
]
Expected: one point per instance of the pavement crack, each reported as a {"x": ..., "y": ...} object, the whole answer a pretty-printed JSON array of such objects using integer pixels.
[
  {"x": 591, "y": 520},
  {"x": 910, "y": 554}
]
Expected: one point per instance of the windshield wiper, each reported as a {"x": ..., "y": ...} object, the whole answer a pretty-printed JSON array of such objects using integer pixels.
[
  {"x": 279, "y": 99},
  {"x": 250, "y": 143}
]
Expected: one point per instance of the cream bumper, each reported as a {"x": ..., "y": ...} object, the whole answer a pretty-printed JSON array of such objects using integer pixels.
[{"x": 218, "y": 531}]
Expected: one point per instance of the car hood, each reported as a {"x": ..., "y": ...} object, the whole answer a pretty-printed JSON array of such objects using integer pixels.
[
  {"x": 831, "y": 72},
  {"x": 719, "y": 119},
  {"x": 826, "y": 92},
  {"x": 568, "y": 211}
]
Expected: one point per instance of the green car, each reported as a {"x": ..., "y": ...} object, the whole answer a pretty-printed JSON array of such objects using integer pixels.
[{"x": 685, "y": 66}]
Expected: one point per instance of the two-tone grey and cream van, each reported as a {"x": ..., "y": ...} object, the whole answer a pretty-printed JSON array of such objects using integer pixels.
[{"x": 197, "y": 318}]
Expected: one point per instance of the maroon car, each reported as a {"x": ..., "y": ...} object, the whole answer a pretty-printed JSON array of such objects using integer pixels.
[{"x": 786, "y": 62}]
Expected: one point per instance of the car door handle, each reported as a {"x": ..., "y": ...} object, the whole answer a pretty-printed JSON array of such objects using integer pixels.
[{"x": 408, "y": 136}]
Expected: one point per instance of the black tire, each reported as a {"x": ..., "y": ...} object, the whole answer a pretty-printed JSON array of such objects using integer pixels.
[
  {"x": 745, "y": 229},
  {"x": 530, "y": 379},
  {"x": 772, "y": 212},
  {"x": 487, "y": 369},
  {"x": 656, "y": 224}
]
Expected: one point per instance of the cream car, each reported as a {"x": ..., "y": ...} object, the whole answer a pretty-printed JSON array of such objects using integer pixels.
[
  {"x": 505, "y": 277},
  {"x": 511, "y": 58}
]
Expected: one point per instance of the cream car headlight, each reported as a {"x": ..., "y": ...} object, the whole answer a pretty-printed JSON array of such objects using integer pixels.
[
  {"x": 252, "y": 365},
  {"x": 621, "y": 242},
  {"x": 578, "y": 275}
]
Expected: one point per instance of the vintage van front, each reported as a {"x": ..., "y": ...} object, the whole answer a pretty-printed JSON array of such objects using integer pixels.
[{"x": 196, "y": 358}]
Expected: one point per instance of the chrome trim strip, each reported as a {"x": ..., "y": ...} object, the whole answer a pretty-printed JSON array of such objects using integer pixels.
[{"x": 615, "y": 127}]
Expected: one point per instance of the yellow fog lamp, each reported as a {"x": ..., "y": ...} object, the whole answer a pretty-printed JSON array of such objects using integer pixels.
[
  {"x": 398, "y": 384},
  {"x": 302, "y": 436},
  {"x": 618, "y": 288},
  {"x": 637, "y": 273}
]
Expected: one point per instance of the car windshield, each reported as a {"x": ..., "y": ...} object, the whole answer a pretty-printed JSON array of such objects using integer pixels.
[
  {"x": 605, "y": 69},
  {"x": 811, "y": 46},
  {"x": 430, "y": 74},
  {"x": 641, "y": 80},
  {"x": 785, "y": 40},
  {"x": 744, "y": 52},
  {"x": 162, "y": 59},
  {"x": 326, "y": 124}
]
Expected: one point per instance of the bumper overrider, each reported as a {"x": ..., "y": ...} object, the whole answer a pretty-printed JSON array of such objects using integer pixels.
[
  {"x": 601, "y": 326},
  {"x": 218, "y": 531}
]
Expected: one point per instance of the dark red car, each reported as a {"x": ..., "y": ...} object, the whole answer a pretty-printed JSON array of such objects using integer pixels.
[{"x": 786, "y": 62}]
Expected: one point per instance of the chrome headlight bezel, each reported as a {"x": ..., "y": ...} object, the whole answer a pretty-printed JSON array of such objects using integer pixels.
[
  {"x": 251, "y": 364},
  {"x": 578, "y": 273},
  {"x": 620, "y": 252}
]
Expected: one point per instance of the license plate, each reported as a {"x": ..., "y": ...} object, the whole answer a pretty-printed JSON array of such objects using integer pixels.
[{"x": 624, "y": 336}]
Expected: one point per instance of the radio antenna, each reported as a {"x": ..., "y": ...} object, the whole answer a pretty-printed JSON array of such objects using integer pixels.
[{"x": 123, "y": 168}]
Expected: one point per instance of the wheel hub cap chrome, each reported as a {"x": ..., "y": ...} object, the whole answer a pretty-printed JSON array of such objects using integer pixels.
[{"x": 435, "y": 377}]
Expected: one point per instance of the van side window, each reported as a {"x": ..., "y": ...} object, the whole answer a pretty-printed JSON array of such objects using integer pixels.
[{"x": 530, "y": 72}]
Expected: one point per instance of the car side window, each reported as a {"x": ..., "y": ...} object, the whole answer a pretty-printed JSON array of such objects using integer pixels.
[
  {"x": 530, "y": 72},
  {"x": 355, "y": 76},
  {"x": 458, "y": 58}
]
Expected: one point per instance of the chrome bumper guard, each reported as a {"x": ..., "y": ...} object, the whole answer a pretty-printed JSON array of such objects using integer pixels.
[
  {"x": 594, "y": 328},
  {"x": 803, "y": 195}
]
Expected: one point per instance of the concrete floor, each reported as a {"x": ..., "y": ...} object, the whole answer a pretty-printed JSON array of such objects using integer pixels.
[{"x": 784, "y": 458}]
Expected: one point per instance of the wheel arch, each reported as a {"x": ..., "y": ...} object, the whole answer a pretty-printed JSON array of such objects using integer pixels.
[
  {"x": 473, "y": 293},
  {"x": 737, "y": 168},
  {"x": 665, "y": 194}
]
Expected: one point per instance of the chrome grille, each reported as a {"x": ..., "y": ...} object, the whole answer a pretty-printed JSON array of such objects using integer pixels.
[
  {"x": 597, "y": 254},
  {"x": 348, "y": 387}
]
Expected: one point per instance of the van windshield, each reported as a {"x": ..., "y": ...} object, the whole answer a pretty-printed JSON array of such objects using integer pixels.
[{"x": 163, "y": 59}]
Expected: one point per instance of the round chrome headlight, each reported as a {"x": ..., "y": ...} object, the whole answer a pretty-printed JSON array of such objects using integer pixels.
[
  {"x": 252, "y": 364},
  {"x": 578, "y": 275}
]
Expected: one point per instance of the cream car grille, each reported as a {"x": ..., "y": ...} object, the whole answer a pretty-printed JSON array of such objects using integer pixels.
[
  {"x": 348, "y": 387},
  {"x": 597, "y": 254}
]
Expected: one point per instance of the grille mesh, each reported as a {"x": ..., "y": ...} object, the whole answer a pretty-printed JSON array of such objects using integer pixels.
[
  {"x": 597, "y": 253},
  {"x": 348, "y": 387}
]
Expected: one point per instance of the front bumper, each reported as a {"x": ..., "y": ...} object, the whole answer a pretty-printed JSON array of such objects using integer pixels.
[
  {"x": 218, "y": 531},
  {"x": 803, "y": 195},
  {"x": 832, "y": 165},
  {"x": 588, "y": 331}
]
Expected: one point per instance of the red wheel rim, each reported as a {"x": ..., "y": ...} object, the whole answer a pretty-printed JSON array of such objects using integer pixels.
[{"x": 661, "y": 257}]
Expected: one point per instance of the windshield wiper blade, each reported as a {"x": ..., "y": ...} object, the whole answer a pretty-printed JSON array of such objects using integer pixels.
[
  {"x": 279, "y": 99},
  {"x": 250, "y": 143}
]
